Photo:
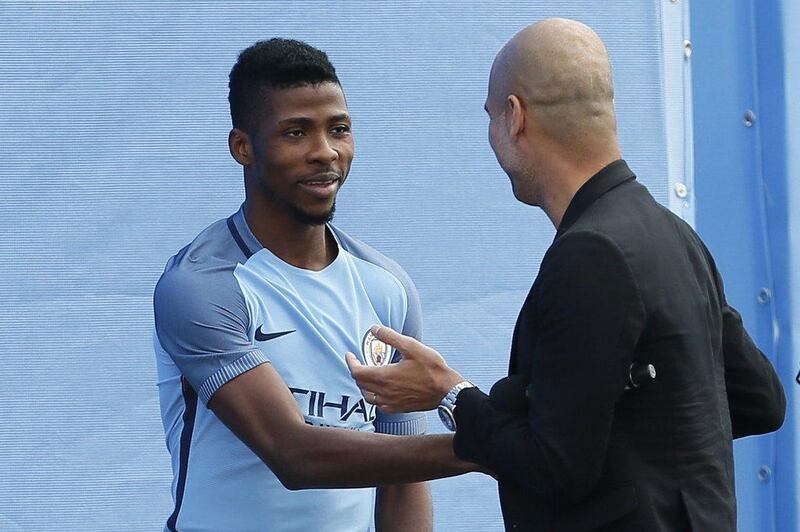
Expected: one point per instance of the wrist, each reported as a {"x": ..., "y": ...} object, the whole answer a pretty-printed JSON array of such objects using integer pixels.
[{"x": 446, "y": 384}]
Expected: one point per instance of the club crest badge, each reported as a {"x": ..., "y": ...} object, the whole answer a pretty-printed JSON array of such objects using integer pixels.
[{"x": 376, "y": 352}]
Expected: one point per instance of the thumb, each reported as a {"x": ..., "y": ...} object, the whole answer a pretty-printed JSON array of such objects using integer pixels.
[{"x": 352, "y": 362}]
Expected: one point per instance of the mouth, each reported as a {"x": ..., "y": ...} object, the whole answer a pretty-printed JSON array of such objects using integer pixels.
[{"x": 321, "y": 186}]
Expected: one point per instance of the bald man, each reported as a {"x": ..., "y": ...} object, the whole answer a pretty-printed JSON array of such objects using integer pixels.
[{"x": 625, "y": 284}]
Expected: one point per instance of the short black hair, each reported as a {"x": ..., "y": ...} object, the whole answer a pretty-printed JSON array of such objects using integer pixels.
[{"x": 273, "y": 64}]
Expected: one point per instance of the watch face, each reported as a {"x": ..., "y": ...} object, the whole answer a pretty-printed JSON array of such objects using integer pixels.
[{"x": 446, "y": 415}]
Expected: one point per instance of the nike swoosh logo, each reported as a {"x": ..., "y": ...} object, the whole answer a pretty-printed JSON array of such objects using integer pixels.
[{"x": 263, "y": 337}]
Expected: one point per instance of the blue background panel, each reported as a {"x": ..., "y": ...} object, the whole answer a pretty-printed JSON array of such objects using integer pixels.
[
  {"x": 728, "y": 173},
  {"x": 746, "y": 194}
]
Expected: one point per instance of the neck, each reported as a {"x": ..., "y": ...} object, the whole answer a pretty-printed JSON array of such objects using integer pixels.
[
  {"x": 310, "y": 247},
  {"x": 554, "y": 203},
  {"x": 566, "y": 183},
  {"x": 564, "y": 177}
]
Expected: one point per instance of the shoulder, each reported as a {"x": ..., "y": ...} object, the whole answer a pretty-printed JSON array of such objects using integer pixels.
[
  {"x": 199, "y": 281},
  {"x": 587, "y": 244},
  {"x": 387, "y": 275},
  {"x": 185, "y": 287},
  {"x": 213, "y": 246},
  {"x": 380, "y": 263},
  {"x": 207, "y": 260},
  {"x": 582, "y": 262}
]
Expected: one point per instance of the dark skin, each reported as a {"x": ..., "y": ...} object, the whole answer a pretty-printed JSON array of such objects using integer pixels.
[{"x": 294, "y": 165}]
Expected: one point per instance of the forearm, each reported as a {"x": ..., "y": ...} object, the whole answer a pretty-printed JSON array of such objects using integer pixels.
[
  {"x": 262, "y": 412},
  {"x": 333, "y": 458},
  {"x": 404, "y": 507}
]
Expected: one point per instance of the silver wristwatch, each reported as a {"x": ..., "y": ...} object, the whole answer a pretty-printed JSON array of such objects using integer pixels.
[{"x": 447, "y": 406}]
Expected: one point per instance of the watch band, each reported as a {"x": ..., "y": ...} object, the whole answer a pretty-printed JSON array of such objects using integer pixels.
[{"x": 447, "y": 406}]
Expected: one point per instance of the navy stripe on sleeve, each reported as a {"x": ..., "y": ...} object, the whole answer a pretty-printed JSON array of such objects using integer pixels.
[{"x": 190, "y": 409}]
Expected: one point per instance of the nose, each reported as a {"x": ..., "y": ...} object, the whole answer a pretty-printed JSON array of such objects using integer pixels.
[{"x": 322, "y": 151}]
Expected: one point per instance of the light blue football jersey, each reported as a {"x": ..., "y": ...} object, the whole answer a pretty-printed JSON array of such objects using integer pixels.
[{"x": 226, "y": 304}]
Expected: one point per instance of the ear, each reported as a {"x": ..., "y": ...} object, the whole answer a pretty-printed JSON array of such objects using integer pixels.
[
  {"x": 515, "y": 115},
  {"x": 240, "y": 147}
]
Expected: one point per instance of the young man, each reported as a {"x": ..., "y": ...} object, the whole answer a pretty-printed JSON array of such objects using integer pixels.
[{"x": 253, "y": 317}]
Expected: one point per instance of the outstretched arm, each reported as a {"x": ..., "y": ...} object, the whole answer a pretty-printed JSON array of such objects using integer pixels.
[{"x": 259, "y": 408}]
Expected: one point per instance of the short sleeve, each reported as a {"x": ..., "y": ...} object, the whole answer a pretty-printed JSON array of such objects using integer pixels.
[
  {"x": 412, "y": 326},
  {"x": 201, "y": 321}
]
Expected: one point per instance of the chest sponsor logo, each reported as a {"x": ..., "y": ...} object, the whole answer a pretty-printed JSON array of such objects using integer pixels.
[{"x": 316, "y": 404}]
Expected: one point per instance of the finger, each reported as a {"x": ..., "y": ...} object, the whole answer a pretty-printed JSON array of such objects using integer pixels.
[
  {"x": 387, "y": 409},
  {"x": 371, "y": 396},
  {"x": 368, "y": 376},
  {"x": 352, "y": 362},
  {"x": 358, "y": 371},
  {"x": 402, "y": 342}
]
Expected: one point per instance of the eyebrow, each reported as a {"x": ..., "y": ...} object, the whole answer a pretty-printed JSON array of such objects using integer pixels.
[{"x": 305, "y": 121}]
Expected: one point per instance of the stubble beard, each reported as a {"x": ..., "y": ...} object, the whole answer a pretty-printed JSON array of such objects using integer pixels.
[
  {"x": 301, "y": 216},
  {"x": 526, "y": 181},
  {"x": 307, "y": 218}
]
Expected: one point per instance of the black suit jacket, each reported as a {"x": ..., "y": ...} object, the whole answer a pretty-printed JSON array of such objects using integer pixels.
[{"x": 624, "y": 281}]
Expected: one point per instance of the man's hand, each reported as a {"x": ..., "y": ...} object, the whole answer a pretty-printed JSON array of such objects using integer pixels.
[{"x": 418, "y": 382}]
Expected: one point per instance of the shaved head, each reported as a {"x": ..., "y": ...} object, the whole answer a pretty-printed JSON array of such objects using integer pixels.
[
  {"x": 561, "y": 72},
  {"x": 551, "y": 112}
]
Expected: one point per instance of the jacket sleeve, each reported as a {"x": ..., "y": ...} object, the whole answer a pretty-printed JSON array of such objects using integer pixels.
[
  {"x": 589, "y": 318},
  {"x": 755, "y": 395}
]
